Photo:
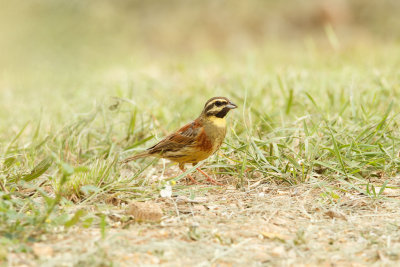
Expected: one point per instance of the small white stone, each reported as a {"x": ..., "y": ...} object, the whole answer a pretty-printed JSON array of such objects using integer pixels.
[
  {"x": 166, "y": 192},
  {"x": 278, "y": 251}
]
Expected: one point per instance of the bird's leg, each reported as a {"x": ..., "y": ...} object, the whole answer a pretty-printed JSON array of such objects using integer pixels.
[
  {"x": 182, "y": 167},
  {"x": 211, "y": 180}
]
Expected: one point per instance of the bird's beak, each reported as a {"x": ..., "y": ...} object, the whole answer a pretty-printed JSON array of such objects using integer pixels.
[{"x": 231, "y": 105}]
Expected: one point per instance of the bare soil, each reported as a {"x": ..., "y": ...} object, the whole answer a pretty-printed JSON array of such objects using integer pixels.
[{"x": 263, "y": 225}]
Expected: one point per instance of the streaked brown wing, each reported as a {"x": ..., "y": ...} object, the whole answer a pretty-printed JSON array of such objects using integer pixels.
[{"x": 185, "y": 136}]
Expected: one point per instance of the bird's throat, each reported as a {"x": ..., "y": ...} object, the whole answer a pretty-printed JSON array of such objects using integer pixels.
[{"x": 218, "y": 122}]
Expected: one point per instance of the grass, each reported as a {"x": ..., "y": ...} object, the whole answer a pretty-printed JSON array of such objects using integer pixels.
[{"x": 307, "y": 116}]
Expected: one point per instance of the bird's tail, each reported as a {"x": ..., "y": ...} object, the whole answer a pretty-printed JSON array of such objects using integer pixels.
[{"x": 138, "y": 156}]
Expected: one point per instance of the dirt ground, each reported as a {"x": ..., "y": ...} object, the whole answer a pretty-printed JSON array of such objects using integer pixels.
[{"x": 264, "y": 225}]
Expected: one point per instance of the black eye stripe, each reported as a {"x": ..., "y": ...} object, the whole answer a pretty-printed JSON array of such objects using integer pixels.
[{"x": 214, "y": 104}]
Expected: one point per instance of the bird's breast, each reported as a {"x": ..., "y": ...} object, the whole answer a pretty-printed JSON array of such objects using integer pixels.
[{"x": 215, "y": 134}]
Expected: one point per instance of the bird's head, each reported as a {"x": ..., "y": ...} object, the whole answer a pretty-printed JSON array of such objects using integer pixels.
[{"x": 217, "y": 107}]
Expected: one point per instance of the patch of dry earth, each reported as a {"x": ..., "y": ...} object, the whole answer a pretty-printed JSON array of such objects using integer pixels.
[{"x": 271, "y": 225}]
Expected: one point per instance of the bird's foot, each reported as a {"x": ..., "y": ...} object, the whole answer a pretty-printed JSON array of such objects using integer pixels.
[
  {"x": 192, "y": 179},
  {"x": 208, "y": 178}
]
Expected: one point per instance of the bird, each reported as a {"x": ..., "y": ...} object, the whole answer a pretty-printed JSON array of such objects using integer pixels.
[{"x": 195, "y": 141}]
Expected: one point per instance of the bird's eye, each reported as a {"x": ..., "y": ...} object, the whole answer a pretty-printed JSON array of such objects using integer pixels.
[{"x": 218, "y": 103}]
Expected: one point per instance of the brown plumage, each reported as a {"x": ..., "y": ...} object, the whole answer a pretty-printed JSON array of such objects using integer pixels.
[{"x": 197, "y": 140}]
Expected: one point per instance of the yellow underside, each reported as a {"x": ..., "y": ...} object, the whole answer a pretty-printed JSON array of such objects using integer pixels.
[{"x": 188, "y": 156}]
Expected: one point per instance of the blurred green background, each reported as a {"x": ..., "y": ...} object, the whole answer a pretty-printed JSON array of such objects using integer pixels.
[
  {"x": 59, "y": 55},
  {"x": 75, "y": 34}
]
